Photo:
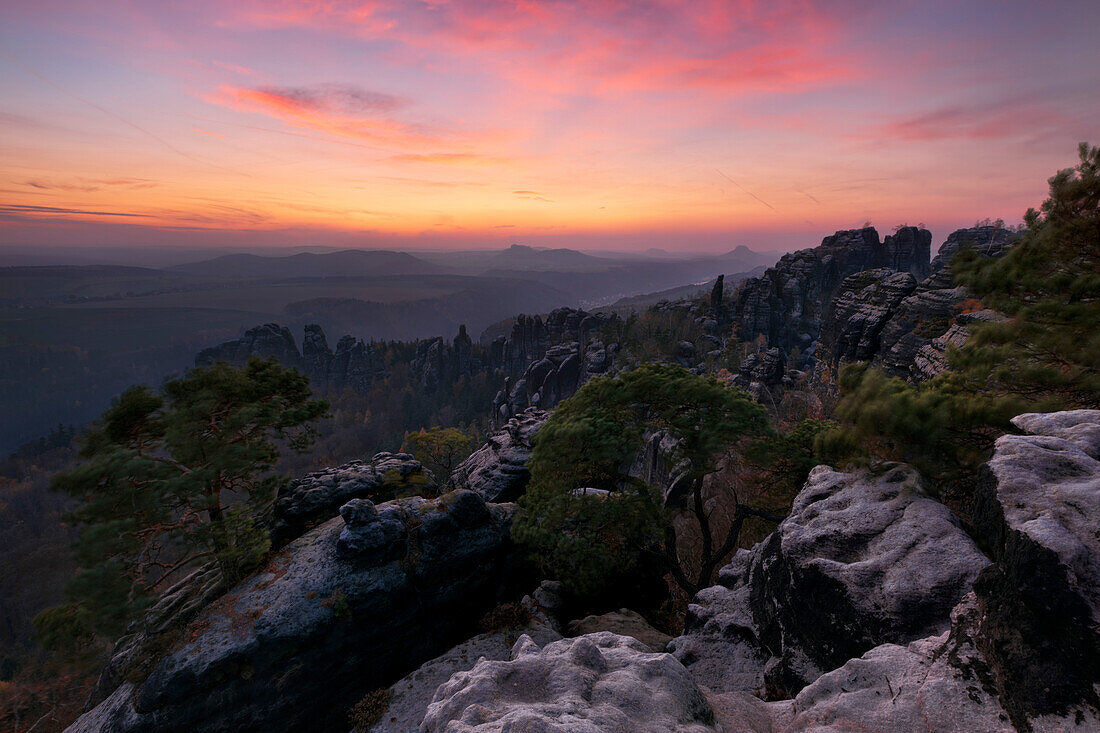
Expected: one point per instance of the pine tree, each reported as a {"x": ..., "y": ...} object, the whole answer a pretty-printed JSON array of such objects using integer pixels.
[
  {"x": 174, "y": 479},
  {"x": 588, "y": 537},
  {"x": 1044, "y": 356}
]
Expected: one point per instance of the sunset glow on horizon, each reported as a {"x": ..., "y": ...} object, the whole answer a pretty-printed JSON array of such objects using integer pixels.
[{"x": 686, "y": 125}]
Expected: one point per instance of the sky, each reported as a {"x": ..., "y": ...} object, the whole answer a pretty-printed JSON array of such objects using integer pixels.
[{"x": 682, "y": 124}]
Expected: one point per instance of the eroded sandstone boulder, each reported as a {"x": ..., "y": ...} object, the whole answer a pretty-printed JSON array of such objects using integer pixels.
[
  {"x": 292, "y": 647},
  {"x": 317, "y": 496},
  {"x": 596, "y": 682},
  {"x": 498, "y": 470},
  {"x": 1038, "y": 510},
  {"x": 862, "y": 559},
  {"x": 410, "y": 696},
  {"x": 939, "y": 683}
]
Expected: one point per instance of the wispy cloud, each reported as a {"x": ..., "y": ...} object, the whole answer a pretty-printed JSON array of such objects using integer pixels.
[
  {"x": 977, "y": 121},
  {"x": 30, "y": 210},
  {"x": 377, "y": 118},
  {"x": 88, "y": 185}
]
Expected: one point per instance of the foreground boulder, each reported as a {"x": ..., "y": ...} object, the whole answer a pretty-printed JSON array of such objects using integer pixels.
[
  {"x": 352, "y": 605},
  {"x": 862, "y": 559},
  {"x": 1038, "y": 510},
  {"x": 939, "y": 683},
  {"x": 317, "y": 496},
  {"x": 596, "y": 682},
  {"x": 407, "y": 699},
  {"x": 498, "y": 470}
]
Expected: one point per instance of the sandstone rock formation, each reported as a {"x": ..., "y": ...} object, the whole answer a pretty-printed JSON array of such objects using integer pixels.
[
  {"x": 317, "y": 496},
  {"x": 498, "y": 470},
  {"x": 787, "y": 304},
  {"x": 623, "y": 622},
  {"x": 344, "y": 608},
  {"x": 1019, "y": 653},
  {"x": 354, "y": 365},
  {"x": 903, "y": 325},
  {"x": 596, "y": 682},
  {"x": 1038, "y": 511},
  {"x": 270, "y": 339},
  {"x": 410, "y": 696},
  {"x": 938, "y": 683},
  {"x": 860, "y": 311},
  {"x": 986, "y": 240},
  {"x": 862, "y": 559}
]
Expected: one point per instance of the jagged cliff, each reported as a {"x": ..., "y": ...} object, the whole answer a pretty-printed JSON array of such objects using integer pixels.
[
  {"x": 902, "y": 323},
  {"x": 786, "y": 304}
]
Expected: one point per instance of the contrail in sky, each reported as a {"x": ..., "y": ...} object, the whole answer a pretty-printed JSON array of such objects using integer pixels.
[{"x": 750, "y": 193}]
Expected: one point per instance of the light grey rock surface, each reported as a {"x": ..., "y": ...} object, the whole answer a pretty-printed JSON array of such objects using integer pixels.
[
  {"x": 862, "y": 559},
  {"x": 498, "y": 470},
  {"x": 1038, "y": 510},
  {"x": 720, "y": 645},
  {"x": 590, "y": 684},
  {"x": 411, "y": 695},
  {"x": 936, "y": 684}
]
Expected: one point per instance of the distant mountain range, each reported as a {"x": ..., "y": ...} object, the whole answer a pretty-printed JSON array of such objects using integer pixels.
[{"x": 346, "y": 263}]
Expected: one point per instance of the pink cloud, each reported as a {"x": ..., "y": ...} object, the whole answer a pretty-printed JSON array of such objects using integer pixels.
[
  {"x": 721, "y": 46},
  {"x": 339, "y": 110},
  {"x": 996, "y": 120}
]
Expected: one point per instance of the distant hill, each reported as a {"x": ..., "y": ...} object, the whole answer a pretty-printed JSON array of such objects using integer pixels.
[
  {"x": 345, "y": 263},
  {"x": 522, "y": 257},
  {"x": 597, "y": 286}
]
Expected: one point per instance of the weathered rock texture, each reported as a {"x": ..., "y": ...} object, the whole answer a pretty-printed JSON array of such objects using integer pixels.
[
  {"x": 498, "y": 470},
  {"x": 987, "y": 241},
  {"x": 859, "y": 313},
  {"x": 863, "y": 559},
  {"x": 596, "y": 682},
  {"x": 1038, "y": 511},
  {"x": 318, "y": 496},
  {"x": 787, "y": 304},
  {"x": 411, "y": 695},
  {"x": 901, "y": 323},
  {"x": 354, "y": 365},
  {"x": 1020, "y": 652},
  {"x": 939, "y": 683},
  {"x": 351, "y": 605},
  {"x": 270, "y": 339}
]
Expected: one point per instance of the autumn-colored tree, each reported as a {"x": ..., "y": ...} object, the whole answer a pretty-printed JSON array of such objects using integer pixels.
[{"x": 440, "y": 450}]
